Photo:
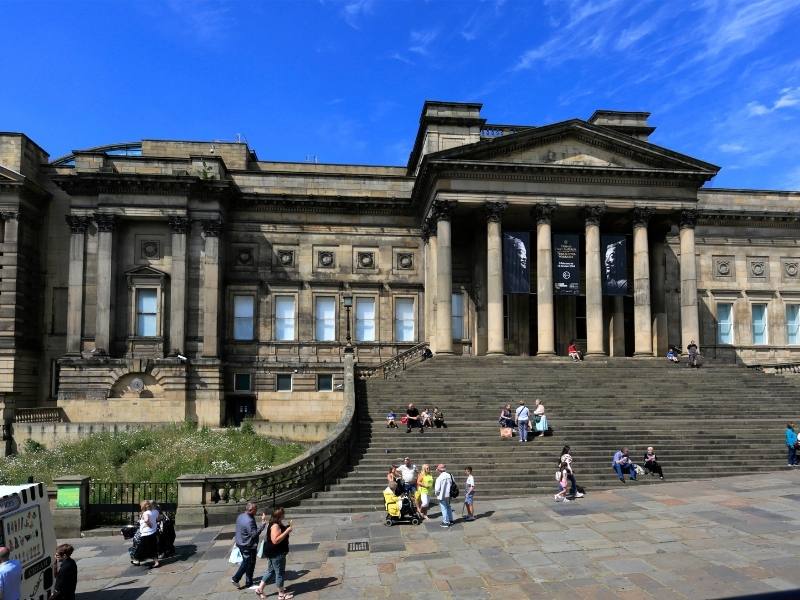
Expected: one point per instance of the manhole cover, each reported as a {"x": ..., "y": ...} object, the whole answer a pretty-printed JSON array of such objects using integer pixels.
[{"x": 358, "y": 547}]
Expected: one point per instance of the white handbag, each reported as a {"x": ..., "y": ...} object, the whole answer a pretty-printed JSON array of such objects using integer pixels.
[{"x": 236, "y": 556}]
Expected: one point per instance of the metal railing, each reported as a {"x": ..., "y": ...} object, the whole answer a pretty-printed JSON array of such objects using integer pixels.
[
  {"x": 396, "y": 364},
  {"x": 39, "y": 415},
  {"x": 117, "y": 503}
]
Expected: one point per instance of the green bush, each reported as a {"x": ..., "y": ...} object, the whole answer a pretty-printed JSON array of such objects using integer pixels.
[{"x": 158, "y": 455}]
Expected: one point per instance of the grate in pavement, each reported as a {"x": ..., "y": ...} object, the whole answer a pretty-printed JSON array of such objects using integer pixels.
[{"x": 358, "y": 547}]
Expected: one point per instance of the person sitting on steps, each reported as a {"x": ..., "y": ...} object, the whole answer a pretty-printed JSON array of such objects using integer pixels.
[
  {"x": 573, "y": 351},
  {"x": 438, "y": 418},
  {"x": 673, "y": 354},
  {"x": 391, "y": 420},
  {"x": 506, "y": 417},
  {"x": 413, "y": 419},
  {"x": 426, "y": 417},
  {"x": 694, "y": 355},
  {"x": 651, "y": 463},
  {"x": 622, "y": 464}
]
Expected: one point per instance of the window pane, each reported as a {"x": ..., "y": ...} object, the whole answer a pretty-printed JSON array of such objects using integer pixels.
[
  {"x": 325, "y": 319},
  {"x": 284, "y": 318},
  {"x": 404, "y": 319},
  {"x": 146, "y": 301},
  {"x": 241, "y": 382},
  {"x": 243, "y": 322},
  {"x": 243, "y": 306},
  {"x": 284, "y": 382},
  {"x": 793, "y": 323},
  {"x": 759, "y": 323},
  {"x": 243, "y": 329},
  {"x": 325, "y": 383},
  {"x": 457, "y": 318},
  {"x": 724, "y": 323},
  {"x": 146, "y": 326},
  {"x": 365, "y": 319}
]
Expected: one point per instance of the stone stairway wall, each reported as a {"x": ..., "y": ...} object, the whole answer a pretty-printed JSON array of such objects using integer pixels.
[{"x": 714, "y": 421}]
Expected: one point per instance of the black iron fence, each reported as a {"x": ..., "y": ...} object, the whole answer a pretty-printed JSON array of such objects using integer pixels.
[{"x": 117, "y": 503}]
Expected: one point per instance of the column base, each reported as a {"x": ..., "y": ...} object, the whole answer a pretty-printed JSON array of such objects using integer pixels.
[
  {"x": 643, "y": 354},
  {"x": 495, "y": 354},
  {"x": 595, "y": 355}
]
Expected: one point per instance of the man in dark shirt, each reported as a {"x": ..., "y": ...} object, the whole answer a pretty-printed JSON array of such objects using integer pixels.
[
  {"x": 66, "y": 574},
  {"x": 247, "y": 533},
  {"x": 413, "y": 420}
]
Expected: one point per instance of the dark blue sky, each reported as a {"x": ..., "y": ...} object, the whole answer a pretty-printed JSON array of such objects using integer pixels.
[{"x": 345, "y": 80}]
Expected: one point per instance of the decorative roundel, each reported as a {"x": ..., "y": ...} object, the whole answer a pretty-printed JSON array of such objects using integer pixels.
[
  {"x": 566, "y": 275},
  {"x": 724, "y": 268},
  {"x": 406, "y": 261},
  {"x": 150, "y": 249},
  {"x": 758, "y": 269},
  {"x": 326, "y": 259},
  {"x": 792, "y": 269},
  {"x": 137, "y": 385},
  {"x": 286, "y": 257},
  {"x": 366, "y": 259},
  {"x": 245, "y": 256}
]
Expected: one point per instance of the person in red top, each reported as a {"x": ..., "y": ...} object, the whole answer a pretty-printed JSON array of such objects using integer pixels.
[{"x": 573, "y": 351}]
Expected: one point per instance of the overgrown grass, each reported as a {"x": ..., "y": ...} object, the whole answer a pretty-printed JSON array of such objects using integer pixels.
[{"x": 159, "y": 455}]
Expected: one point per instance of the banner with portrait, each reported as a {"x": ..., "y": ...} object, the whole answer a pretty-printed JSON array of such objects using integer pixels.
[
  {"x": 566, "y": 264},
  {"x": 613, "y": 253},
  {"x": 516, "y": 253}
]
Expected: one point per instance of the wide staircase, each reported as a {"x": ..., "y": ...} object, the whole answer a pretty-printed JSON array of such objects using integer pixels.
[{"x": 714, "y": 421}]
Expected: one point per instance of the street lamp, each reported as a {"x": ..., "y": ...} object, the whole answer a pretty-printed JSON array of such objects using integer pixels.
[{"x": 347, "y": 302}]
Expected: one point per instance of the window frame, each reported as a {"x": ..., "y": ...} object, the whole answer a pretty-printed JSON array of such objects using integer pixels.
[
  {"x": 319, "y": 387},
  {"x": 753, "y": 323},
  {"x": 249, "y": 389},
  {"x": 795, "y": 305},
  {"x": 335, "y": 320},
  {"x": 732, "y": 323},
  {"x": 453, "y": 316},
  {"x": 278, "y": 377},
  {"x": 375, "y": 318},
  {"x": 253, "y": 318},
  {"x": 156, "y": 315},
  {"x": 276, "y": 321},
  {"x": 414, "y": 319}
]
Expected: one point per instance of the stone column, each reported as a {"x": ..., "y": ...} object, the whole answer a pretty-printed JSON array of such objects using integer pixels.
[
  {"x": 617, "y": 326},
  {"x": 105, "y": 279},
  {"x": 659, "y": 277},
  {"x": 544, "y": 279},
  {"x": 177, "y": 288},
  {"x": 77, "y": 251},
  {"x": 594, "y": 283},
  {"x": 690, "y": 326},
  {"x": 211, "y": 232},
  {"x": 429, "y": 239},
  {"x": 642, "y": 324},
  {"x": 442, "y": 213},
  {"x": 10, "y": 227},
  {"x": 494, "y": 277}
]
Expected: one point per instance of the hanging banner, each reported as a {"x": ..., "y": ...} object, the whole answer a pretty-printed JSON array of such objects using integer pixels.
[
  {"x": 613, "y": 251},
  {"x": 516, "y": 249},
  {"x": 566, "y": 264}
]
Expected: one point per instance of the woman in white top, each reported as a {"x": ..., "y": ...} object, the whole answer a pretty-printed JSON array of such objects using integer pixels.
[
  {"x": 147, "y": 548},
  {"x": 539, "y": 418}
]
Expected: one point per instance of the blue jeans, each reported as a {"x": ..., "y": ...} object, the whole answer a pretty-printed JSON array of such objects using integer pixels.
[
  {"x": 629, "y": 469},
  {"x": 447, "y": 511},
  {"x": 523, "y": 430},
  {"x": 792, "y": 452},
  {"x": 276, "y": 567},
  {"x": 247, "y": 566}
]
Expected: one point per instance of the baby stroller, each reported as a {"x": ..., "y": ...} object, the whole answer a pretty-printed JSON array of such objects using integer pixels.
[
  {"x": 166, "y": 536},
  {"x": 401, "y": 510}
]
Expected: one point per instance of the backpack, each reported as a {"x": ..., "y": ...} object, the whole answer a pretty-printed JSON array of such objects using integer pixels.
[{"x": 453, "y": 488}]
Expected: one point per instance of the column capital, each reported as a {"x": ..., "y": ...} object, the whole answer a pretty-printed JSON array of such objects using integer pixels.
[
  {"x": 8, "y": 215},
  {"x": 78, "y": 223},
  {"x": 178, "y": 224},
  {"x": 641, "y": 216},
  {"x": 593, "y": 214},
  {"x": 105, "y": 222},
  {"x": 543, "y": 212},
  {"x": 442, "y": 210},
  {"x": 495, "y": 210},
  {"x": 212, "y": 227},
  {"x": 428, "y": 229},
  {"x": 688, "y": 219}
]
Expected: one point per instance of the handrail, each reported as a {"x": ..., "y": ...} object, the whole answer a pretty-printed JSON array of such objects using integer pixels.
[{"x": 397, "y": 363}]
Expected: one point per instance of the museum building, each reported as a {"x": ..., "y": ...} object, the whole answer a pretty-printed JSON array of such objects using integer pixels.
[{"x": 173, "y": 280}]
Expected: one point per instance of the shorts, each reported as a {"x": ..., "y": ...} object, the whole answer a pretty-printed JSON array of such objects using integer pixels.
[{"x": 468, "y": 498}]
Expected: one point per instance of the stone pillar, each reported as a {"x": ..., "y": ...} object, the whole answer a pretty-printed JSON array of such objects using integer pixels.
[
  {"x": 10, "y": 227},
  {"x": 429, "y": 239},
  {"x": 642, "y": 324},
  {"x": 105, "y": 279},
  {"x": 659, "y": 277},
  {"x": 442, "y": 213},
  {"x": 617, "y": 326},
  {"x": 191, "y": 512},
  {"x": 594, "y": 283},
  {"x": 211, "y": 232},
  {"x": 177, "y": 288},
  {"x": 8, "y": 410},
  {"x": 72, "y": 505},
  {"x": 544, "y": 279},
  {"x": 690, "y": 326},
  {"x": 494, "y": 277},
  {"x": 77, "y": 251}
]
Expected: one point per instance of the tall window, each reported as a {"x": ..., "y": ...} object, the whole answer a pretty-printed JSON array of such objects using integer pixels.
[
  {"x": 365, "y": 319},
  {"x": 457, "y": 316},
  {"x": 325, "y": 319},
  {"x": 724, "y": 323},
  {"x": 243, "y": 311},
  {"x": 759, "y": 324},
  {"x": 284, "y": 318},
  {"x": 404, "y": 319},
  {"x": 146, "y": 313},
  {"x": 793, "y": 324}
]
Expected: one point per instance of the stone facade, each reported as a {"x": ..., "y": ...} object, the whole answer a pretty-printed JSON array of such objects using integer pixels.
[{"x": 169, "y": 280}]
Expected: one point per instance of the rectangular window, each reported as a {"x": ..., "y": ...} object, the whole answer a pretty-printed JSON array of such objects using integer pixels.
[
  {"x": 724, "y": 323},
  {"x": 54, "y": 375},
  {"x": 283, "y": 382},
  {"x": 404, "y": 319},
  {"x": 793, "y": 324},
  {"x": 324, "y": 383},
  {"x": 146, "y": 312},
  {"x": 457, "y": 316},
  {"x": 365, "y": 319},
  {"x": 243, "y": 322},
  {"x": 241, "y": 382},
  {"x": 759, "y": 324},
  {"x": 284, "y": 318},
  {"x": 325, "y": 319}
]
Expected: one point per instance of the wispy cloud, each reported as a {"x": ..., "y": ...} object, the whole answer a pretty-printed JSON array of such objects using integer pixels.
[
  {"x": 203, "y": 20},
  {"x": 355, "y": 10},
  {"x": 789, "y": 97},
  {"x": 732, "y": 148},
  {"x": 400, "y": 58},
  {"x": 422, "y": 40}
]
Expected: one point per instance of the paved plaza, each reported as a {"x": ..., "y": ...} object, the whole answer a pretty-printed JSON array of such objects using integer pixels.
[{"x": 736, "y": 537}]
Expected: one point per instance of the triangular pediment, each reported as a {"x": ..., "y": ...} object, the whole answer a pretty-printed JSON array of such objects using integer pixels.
[
  {"x": 145, "y": 271},
  {"x": 574, "y": 143},
  {"x": 8, "y": 175}
]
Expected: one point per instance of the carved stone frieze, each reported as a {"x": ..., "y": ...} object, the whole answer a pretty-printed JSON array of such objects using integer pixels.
[
  {"x": 442, "y": 210},
  {"x": 405, "y": 261},
  {"x": 326, "y": 259},
  {"x": 790, "y": 269},
  {"x": 724, "y": 267},
  {"x": 757, "y": 268}
]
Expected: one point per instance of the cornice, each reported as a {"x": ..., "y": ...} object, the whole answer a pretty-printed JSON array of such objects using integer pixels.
[
  {"x": 92, "y": 184},
  {"x": 333, "y": 204}
]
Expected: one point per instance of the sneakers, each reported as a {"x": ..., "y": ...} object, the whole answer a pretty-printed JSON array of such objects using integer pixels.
[
  {"x": 556, "y": 497},
  {"x": 622, "y": 479},
  {"x": 579, "y": 495},
  {"x": 445, "y": 525},
  {"x": 567, "y": 500}
]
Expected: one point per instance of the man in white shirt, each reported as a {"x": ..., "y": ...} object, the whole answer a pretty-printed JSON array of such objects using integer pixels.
[
  {"x": 408, "y": 471},
  {"x": 442, "y": 491},
  {"x": 523, "y": 416}
]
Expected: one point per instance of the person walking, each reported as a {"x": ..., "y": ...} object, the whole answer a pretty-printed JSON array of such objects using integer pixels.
[
  {"x": 791, "y": 445},
  {"x": 442, "y": 489},
  {"x": 10, "y": 575},
  {"x": 246, "y": 539},
  {"x": 539, "y": 418},
  {"x": 523, "y": 416},
  {"x": 147, "y": 548},
  {"x": 424, "y": 491},
  {"x": 276, "y": 547},
  {"x": 566, "y": 460},
  {"x": 66, "y": 572},
  {"x": 469, "y": 494}
]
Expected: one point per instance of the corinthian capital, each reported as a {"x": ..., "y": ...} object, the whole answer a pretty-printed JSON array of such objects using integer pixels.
[
  {"x": 495, "y": 210},
  {"x": 212, "y": 228},
  {"x": 593, "y": 214},
  {"x": 178, "y": 224},
  {"x": 105, "y": 222},
  {"x": 688, "y": 219},
  {"x": 641, "y": 216},
  {"x": 77, "y": 223},
  {"x": 441, "y": 210},
  {"x": 543, "y": 212}
]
